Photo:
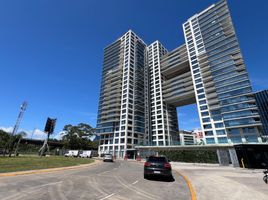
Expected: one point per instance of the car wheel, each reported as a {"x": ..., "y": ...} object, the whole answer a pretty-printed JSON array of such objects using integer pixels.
[{"x": 145, "y": 176}]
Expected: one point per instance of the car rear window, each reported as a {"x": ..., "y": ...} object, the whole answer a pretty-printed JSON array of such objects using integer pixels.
[{"x": 157, "y": 159}]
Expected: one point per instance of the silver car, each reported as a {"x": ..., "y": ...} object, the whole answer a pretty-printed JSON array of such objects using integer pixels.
[{"x": 108, "y": 157}]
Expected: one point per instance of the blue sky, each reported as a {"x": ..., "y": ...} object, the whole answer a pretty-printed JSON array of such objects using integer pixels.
[{"x": 51, "y": 51}]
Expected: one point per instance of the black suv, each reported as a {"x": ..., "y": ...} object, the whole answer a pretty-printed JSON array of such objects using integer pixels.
[{"x": 157, "y": 165}]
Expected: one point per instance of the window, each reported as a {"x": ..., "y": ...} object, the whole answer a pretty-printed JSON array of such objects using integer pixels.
[
  {"x": 205, "y": 120},
  {"x": 207, "y": 126},
  {"x": 234, "y": 131},
  {"x": 218, "y": 125},
  {"x": 199, "y": 85},
  {"x": 202, "y": 102},
  {"x": 210, "y": 140},
  {"x": 222, "y": 140},
  {"x": 197, "y": 76},
  {"x": 236, "y": 139},
  {"x": 203, "y": 107},
  {"x": 200, "y": 90},
  {"x": 208, "y": 133},
  {"x": 198, "y": 80},
  {"x": 220, "y": 132},
  {"x": 251, "y": 138},
  {"x": 204, "y": 114}
]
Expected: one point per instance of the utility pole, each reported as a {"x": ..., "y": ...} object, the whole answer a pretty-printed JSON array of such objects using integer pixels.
[{"x": 16, "y": 127}]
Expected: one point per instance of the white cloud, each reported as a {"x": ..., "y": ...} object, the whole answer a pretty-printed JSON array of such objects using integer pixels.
[
  {"x": 34, "y": 134},
  {"x": 7, "y": 129},
  {"x": 58, "y": 135}
]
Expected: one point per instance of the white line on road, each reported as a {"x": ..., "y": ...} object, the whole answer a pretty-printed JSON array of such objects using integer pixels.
[
  {"x": 108, "y": 196},
  {"x": 47, "y": 184},
  {"x": 28, "y": 190},
  {"x": 135, "y": 182},
  {"x": 103, "y": 172}
]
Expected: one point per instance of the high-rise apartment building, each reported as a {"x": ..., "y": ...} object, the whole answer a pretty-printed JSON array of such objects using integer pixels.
[
  {"x": 121, "y": 112},
  {"x": 142, "y": 86},
  {"x": 262, "y": 103},
  {"x": 226, "y": 104}
]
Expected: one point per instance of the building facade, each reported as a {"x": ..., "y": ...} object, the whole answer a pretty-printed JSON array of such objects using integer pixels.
[
  {"x": 262, "y": 103},
  {"x": 187, "y": 138},
  {"x": 224, "y": 97},
  {"x": 121, "y": 112},
  {"x": 142, "y": 86}
]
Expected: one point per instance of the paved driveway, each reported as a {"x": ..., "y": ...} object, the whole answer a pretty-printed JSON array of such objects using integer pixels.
[
  {"x": 118, "y": 180},
  {"x": 213, "y": 182}
]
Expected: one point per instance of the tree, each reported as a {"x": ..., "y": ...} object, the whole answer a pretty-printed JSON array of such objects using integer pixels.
[
  {"x": 4, "y": 140},
  {"x": 77, "y": 137}
]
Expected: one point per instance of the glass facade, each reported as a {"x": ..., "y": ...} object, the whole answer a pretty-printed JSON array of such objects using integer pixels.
[
  {"x": 121, "y": 114},
  {"x": 262, "y": 103},
  {"x": 213, "y": 49},
  {"x": 142, "y": 86}
]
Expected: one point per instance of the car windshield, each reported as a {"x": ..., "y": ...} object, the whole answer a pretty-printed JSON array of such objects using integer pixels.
[{"x": 157, "y": 159}]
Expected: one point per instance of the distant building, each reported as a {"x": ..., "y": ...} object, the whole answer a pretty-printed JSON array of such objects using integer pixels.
[
  {"x": 262, "y": 103},
  {"x": 199, "y": 136},
  {"x": 187, "y": 138}
]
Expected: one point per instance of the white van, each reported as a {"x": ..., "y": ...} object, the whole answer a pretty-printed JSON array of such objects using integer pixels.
[
  {"x": 85, "y": 154},
  {"x": 71, "y": 153}
]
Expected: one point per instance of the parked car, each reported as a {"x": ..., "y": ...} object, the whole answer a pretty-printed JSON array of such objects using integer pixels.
[
  {"x": 108, "y": 157},
  {"x": 72, "y": 153},
  {"x": 157, "y": 166},
  {"x": 85, "y": 154}
]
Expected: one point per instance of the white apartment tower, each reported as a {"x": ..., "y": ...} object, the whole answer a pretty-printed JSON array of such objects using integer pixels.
[{"x": 143, "y": 85}]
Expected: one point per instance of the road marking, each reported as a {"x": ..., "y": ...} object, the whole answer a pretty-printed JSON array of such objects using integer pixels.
[
  {"x": 190, "y": 186},
  {"x": 135, "y": 182},
  {"x": 47, "y": 184},
  {"x": 108, "y": 196},
  {"x": 137, "y": 190},
  {"x": 103, "y": 173},
  {"x": 28, "y": 191}
]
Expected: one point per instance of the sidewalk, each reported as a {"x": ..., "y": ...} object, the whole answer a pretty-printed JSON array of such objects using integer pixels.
[{"x": 214, "y": 182}]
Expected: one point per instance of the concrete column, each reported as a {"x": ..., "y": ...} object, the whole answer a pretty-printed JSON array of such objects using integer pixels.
[
  {"x": 234, "y": 158},
  {"x": 223, "y": 157}
]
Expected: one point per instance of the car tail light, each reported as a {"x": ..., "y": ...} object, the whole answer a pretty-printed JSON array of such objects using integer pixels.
[
  {"x": 147, "y": 164},
  {"x": 167, "y": 165}
]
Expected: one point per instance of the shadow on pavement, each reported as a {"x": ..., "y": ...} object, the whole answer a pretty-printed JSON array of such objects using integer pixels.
[{"x": 161, "y": 178}]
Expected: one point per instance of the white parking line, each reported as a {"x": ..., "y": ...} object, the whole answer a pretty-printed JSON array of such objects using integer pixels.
[
  {"x": 135, "y": 182},
  {"x": 108, "y": 196}
]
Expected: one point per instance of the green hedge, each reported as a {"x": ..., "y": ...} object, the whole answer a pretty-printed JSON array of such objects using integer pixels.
[{"x": 193, "y": 156}]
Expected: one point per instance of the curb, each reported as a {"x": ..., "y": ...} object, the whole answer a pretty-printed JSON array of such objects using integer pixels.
[
  {"x": 189, "y": 184},
  {"x": 41, "y": 171}
]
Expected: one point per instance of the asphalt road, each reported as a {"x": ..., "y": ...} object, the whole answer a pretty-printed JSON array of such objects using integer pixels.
[{"x": 121, "y": 180}]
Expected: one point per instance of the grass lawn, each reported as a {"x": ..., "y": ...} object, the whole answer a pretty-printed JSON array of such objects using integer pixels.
[{"x": 22, "y": 163}]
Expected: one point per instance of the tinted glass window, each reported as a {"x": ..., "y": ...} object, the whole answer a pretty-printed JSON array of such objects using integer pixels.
[{"x": 157, "y": 159}]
